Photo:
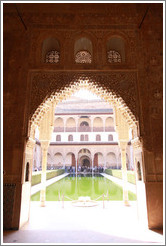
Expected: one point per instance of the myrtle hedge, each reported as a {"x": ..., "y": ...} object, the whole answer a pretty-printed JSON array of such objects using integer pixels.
[
  {"x": 36, "y": 177},
  {"x": 118, "y": 174}
]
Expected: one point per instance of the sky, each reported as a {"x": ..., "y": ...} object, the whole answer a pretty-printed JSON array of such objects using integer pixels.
[{"x": 85, "y": 94}]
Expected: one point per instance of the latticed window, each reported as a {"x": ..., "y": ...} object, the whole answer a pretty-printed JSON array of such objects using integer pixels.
[
  {"x": 82, "y": 138},
  {"x": 52, "y": 57},
  {"x": 114, "y": 56},
  {"x": 83, "y": 56}
]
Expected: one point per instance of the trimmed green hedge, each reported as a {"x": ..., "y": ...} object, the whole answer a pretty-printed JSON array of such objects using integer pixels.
[
  {"x": 36, "y": 177},
  {"x": 118, "y": 174}
]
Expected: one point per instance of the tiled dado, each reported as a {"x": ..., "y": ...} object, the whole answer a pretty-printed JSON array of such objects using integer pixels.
[{"x": 9, "y": 191}]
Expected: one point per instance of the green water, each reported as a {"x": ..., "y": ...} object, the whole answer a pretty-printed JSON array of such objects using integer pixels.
[{"x": 74, "y": 187}]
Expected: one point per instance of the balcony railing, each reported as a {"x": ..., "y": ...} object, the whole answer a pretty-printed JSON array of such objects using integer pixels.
[
  {"x": 58, "y": 129},
  {"x": 84, "y": 129},
  {"x": 109, "y": 129},
  {"x": 98, "y": 129},
  {"x": 70, "y": 129}
]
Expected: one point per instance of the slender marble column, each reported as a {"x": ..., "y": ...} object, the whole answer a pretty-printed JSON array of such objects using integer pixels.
[
  {"x": 123, "y": 146},
  {"x": 92, "y": 165},
  {"x": 44, "y": 147}
]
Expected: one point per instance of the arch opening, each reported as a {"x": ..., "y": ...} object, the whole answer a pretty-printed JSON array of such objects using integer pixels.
[
  {"x": 84, "y": 158},
  {"x": 107, "y": 95}
]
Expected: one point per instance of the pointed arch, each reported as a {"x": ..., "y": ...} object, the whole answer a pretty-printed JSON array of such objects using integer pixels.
[{"x": 83, "y": 82}]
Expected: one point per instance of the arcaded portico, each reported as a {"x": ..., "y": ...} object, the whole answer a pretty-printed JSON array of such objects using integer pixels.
[{"x": 84, "y": 135}]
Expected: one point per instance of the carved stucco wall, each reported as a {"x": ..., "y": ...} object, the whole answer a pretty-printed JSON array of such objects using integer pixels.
[
  {"x": 27, "y": 80},
  {"x": 123, "y": 84}
]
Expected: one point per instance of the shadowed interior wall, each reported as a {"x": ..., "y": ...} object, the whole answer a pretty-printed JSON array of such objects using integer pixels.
[{"x": 28, "y": 81}]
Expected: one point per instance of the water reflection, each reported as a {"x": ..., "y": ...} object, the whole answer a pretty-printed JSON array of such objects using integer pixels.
[{"x": 73, "y": 186}]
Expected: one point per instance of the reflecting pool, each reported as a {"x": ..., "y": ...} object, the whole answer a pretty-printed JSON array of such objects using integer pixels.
[{"x": 73, "y": 186}]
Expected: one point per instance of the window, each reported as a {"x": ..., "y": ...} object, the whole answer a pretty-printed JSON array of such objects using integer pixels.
[
  {"x": 83, "y": 56},
  {"x": 70, "y": 138},
  {"x": 58, "y": 138},
  {"x": 50, "y": 50},
  {"x": 84, "y": 138},
  {"x": 113, "y": 56},
  {"x": 115, "y": 50},
  {"x": 84, "y": 123},
  {"x": 110, "y": 138},
  {"x": 98, "y": 138},
  {"x": 52, "y": 57},
  {"x": 83, "y": 50}
]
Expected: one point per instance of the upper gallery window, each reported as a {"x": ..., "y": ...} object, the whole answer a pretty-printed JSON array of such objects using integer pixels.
[
  {"x": 98, "y": 138},
  {"x": 52, "y": 57},
  {"x": 83, "y": 50},
  {"x": 51, "y": 51},
  {"x": 70, "y": 138},
  {"x": 83, "y": 56},
  {"x": 114, "y": 56},
  {"x": 115, "y": 50},
  {"x": 84, "y": 123},
  {"x": 110, "y": 138},
  {"x": 58, "y": 138}
]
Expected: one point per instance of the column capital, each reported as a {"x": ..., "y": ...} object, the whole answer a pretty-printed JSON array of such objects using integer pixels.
[
  {"x": 136, "y": 143},
  {"x": 30, "y": 143},
  {"x": 122, "y": 145},
  {"x": 44, "y": 144}
]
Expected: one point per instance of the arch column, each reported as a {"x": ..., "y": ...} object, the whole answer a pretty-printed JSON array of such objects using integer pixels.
[
  {"x": 122, "y": 128},
  {"x": 92, "y": 164},
  {"x": 26, "y": 184},
  {"x": 63, "y": 162},
  {"x": 105, "y": 159},
  {"x": 46, "y": 128},
  {"x": 140, "y": 184},
  {"x": 117, "y": 164},
  {"x": 123, "y": 145},
  {"x": 91, "y": 124},
  {"x": 104, "y": 120},
  {"x": 64, "y": 122},
  {"x": 76, "y": 159},
  {"x": 92, "y": 157},
  {"x": 76, "y": 119},
  {"x": 44, "y": 147}
]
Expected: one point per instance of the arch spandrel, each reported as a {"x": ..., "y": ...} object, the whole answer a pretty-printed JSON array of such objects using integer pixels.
[{"x": 116, "y": 88}]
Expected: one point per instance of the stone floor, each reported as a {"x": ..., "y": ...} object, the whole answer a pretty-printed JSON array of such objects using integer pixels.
[{"x": 112, "y": 224}]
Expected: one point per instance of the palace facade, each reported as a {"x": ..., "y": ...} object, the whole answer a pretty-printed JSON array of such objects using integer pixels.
[{"x": 83, "y": 135}]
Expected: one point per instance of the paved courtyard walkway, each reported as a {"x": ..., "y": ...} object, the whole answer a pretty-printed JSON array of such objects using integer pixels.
[
  {"x": 58, "y": 224},
  {"x": 62, "y": 223}
]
